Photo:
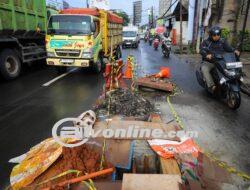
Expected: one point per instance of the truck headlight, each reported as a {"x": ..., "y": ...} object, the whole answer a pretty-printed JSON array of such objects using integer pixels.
[
  {"x": 50, "y": 54},
  {"x": 87, "y": 54}
]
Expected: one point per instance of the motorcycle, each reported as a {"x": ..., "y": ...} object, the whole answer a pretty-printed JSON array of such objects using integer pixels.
[
  {"x": 150, "y": 40},
  {"x": 156, "y": 43},
  {"x": 166, "y": 47},
  {"x": 227, "y": 76}
]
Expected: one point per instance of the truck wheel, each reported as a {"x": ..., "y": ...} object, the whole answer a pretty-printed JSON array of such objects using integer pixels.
[
  {"x": 61, "y": 70},
  {"x": 118, "y": 53},
  {"x": 10, "y": 65},
  {"x": 97, "y": 67}
]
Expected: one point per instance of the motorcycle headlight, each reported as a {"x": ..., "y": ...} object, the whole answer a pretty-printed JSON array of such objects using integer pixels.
[
  {"x": 87, "y": 54},
  {"x": 230, "y": 73},
  {"x": 222, "y": 80},
  {"x": 50, "y": 54}
]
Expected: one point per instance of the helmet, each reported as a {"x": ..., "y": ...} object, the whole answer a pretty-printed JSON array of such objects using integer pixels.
[{"x": 215, "y": 30}]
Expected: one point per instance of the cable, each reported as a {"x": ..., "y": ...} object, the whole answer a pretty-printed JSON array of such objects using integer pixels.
[{"x": 167, "y": 10}]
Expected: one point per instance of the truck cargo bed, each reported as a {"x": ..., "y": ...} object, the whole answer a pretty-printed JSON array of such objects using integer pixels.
[{"x": 22, "y": 17}]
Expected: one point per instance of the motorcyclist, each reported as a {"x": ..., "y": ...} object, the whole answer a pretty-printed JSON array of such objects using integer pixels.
[
  {"x": 157, "y": 36},
  {"x": 165, "y": 36},
  {"x": 213, "y": 44}
]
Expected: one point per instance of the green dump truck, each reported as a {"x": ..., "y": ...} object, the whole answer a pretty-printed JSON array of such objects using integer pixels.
[{"x": 22, "y": 34}]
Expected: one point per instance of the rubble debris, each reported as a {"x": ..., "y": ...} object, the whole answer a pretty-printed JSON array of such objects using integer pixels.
[
  {"x": 155, "y": 83},
  {"x": 85, "y": 158},
  {"x": 124, "y": 102}
]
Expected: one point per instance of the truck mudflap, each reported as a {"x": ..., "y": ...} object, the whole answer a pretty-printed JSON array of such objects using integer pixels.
[{"x": 68, "y": 62}]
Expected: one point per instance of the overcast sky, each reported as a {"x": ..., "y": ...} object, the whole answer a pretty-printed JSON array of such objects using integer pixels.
[{"x": 126, "y": 5}]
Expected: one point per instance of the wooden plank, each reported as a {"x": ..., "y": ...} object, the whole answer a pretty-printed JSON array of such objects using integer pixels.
[
  {"x": 168, "y": 166},
  {"x": 155, "y": 84},
  {"x": 151, "y": 181},
  {"x": 126, "y": 124}
]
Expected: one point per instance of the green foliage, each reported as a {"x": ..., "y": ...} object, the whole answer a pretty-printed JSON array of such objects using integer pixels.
[
  {"x": 225, "y": 33},
  {"x": 246, "y": 41},
  {"x": 125, "y": 17}
]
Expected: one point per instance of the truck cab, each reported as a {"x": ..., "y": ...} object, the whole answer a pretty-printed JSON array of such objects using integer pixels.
[
  {"x": 83, "y": 37},
  {"x": 74, "y": 40},
  {"x": 131, "y": 37}
]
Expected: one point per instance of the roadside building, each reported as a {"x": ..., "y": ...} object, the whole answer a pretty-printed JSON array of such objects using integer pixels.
[
  {"x": 171, "y": 17},
  {"x": 137, "y": 10},
  {"x": 163, "y": 6},
  {"x": 65, "y": 5}
]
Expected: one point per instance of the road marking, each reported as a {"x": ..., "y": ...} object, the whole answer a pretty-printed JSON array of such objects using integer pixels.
[{"x": 59, "y": 77}]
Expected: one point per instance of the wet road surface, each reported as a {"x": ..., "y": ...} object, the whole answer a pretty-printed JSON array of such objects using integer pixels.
[
  {"x": 28, "y": 109},
  {"x": 221, "y": 131}
]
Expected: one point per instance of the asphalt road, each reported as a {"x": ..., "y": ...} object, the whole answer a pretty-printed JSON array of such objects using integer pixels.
[{"x": 29, "y": 108}]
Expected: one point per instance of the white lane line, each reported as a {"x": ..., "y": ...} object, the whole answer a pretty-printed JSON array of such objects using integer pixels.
[{"x": 59, "y": 77}]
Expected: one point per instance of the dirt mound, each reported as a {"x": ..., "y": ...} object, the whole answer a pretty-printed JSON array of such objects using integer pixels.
[
  {"x": 85, "y": 159},
  {"x": 124, "y": 102}
]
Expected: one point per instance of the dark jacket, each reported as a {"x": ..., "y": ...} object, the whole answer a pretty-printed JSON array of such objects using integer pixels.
[{"x": 209, "y": 46}]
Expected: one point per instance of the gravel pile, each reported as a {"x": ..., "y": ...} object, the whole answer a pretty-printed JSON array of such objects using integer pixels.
[{"x": 124, "y": 102}]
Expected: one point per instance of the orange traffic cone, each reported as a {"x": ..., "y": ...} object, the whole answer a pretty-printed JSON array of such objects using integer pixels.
[
  {"x": 128, "y": 72},
  {"x": 164, "y": 73}
]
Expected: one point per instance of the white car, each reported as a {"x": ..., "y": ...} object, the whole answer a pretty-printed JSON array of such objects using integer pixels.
[{"x": 131, "y": 37}]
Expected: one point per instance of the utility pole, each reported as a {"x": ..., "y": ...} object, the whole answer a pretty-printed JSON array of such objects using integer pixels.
[
  {"x": 152, "y": 17},
  {"x": 87, "y": 3},
  {"x": 180, "y": 26},
  {"x": 191, "y": 17},
  {"x": 196, "y": 22},
  {"x": 244, "y": 25},
  {"x": 199, "y": 28},
  {"x": 149, "y": 17}
]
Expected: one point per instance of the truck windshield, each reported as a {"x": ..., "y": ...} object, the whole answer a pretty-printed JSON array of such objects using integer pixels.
[
  {"x": 69, "y": 25},
  {"x": 129, "y": 34}
]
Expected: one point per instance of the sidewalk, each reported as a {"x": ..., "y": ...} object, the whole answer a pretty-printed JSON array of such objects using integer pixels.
[{"x": 245, "y": 58}]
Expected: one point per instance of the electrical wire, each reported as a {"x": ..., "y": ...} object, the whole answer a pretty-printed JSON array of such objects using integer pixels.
[{"x": 167, "y": 10}]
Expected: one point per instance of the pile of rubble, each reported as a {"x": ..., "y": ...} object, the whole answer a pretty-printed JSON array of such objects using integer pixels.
[{"x": 124, "y": 102}]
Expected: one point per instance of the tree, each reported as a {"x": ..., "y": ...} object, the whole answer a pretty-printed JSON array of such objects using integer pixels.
[{"x": 125, "y": 17}]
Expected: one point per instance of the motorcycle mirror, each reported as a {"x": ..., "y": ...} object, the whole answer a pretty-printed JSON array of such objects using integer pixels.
[{"x": 92, "y": 27}]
